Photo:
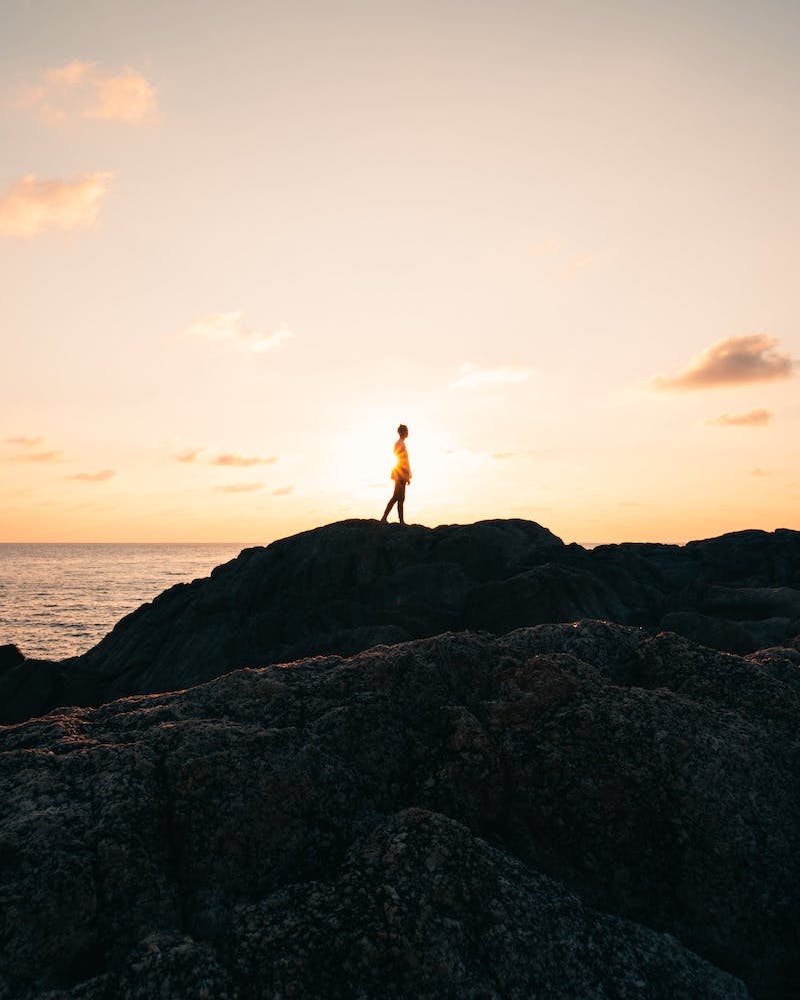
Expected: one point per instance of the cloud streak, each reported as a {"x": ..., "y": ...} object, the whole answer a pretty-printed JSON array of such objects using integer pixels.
[
  {"x": 230, "y": 327},
  {"x": 471, "y": 377},
  {"x": 80, "y": 90},
  {"x": 242, "y": 461},
  {"x": 187, "y": 456},
  {"x": 24, "y": 442},
  {"x": 732, "y": 361},
  {"x": 753, "y": 418},
  {"x": 31, "y": 206},
  {"x": 283, "y": 491},
  {"x": 239, "y": 488},
  {"x": 94, "y": 477},
  {"x": 36, "y": 456}
]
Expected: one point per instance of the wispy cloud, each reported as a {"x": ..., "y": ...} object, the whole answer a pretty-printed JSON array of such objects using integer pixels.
[
  {"x": 31, "y": 206},
  {"x": 732, "y": 361},
  {"x": 471, "y": 377},
  {"x": 545, "y": 248},
  {"x": 24, "y": 442},
  {"x": 190, "y": 455},
  {"x": 94, "y": 477},
  {"x": 239, "y": 488},
  {"x": 82, "y": 90},
  {"x": 283, "y": 491},
  {"x": 501, "y": 456},
  {"x": 753, "y": 418},
  {"x": 759, "y": 473},
  {"x": 230, "y": 327},
  {"x": 242, "y": 461},
  {"x": 36, "y": 456}
]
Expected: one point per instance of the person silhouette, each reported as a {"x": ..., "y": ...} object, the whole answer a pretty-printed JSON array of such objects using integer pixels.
[{"x": 401, "y": 474}]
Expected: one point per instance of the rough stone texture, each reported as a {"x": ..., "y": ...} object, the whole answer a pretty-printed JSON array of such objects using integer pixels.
[
  {"x": 576, "y": 811},
  {"x": 347, "y": 586}
]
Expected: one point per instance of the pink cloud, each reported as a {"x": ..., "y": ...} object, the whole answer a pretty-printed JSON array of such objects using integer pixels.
[
  {"x": 732, "y": 361},
  {"x": 31, "y": 206},
  {"x": 36, "y": 456},
  {"x": 187, "y": 456},
  {"x": 82, "y": 90},
  {"x": 126, "y": 97},
  {"x": 753, "y": 418},
  {"x": 242, "y": 461},
  {"x": 25, "y": 442},
  {"x": 239, "y": 488},
  {"x": 94, "y": 477}
]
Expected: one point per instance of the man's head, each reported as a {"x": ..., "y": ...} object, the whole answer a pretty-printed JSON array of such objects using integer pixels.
[{"x": 402, "y": 430}]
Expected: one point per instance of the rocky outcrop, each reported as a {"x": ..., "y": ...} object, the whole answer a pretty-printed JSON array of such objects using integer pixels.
[
  {"x": 10, "y": 656},
  {"x": 569, "y": 811},
  {"x": 347, "y": 586}
]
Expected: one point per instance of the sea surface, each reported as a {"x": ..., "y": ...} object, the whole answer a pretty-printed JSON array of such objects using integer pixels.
[{"x": 60, "y": 600}]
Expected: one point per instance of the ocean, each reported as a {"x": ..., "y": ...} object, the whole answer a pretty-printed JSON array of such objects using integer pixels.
[{"x": 60, "y": 600}]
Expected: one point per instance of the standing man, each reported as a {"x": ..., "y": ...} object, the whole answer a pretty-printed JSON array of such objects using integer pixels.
[{"x": 401, "y": 474}]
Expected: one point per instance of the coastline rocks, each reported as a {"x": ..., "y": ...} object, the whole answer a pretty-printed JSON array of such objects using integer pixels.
[
  {"x": 350, "y": 585},
  {"x": 583, "y": 810}
]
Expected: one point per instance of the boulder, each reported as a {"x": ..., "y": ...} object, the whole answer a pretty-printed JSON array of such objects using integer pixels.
[
  {"x": 718, "y": 633},
  {"x": 10, "y": 656}
]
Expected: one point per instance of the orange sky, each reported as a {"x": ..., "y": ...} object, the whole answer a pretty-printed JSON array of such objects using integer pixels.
[{"x": 241, "y": 242}]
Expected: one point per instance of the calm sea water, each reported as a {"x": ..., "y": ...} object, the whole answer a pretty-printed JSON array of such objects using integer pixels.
[{"x": 60, "y": 600}]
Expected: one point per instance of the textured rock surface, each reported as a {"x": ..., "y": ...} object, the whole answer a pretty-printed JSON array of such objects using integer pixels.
[
  {"x": 585, "y": 811},
  {"x": 347, "y": 586}
]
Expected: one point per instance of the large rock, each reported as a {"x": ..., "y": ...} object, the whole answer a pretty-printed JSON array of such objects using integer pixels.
[
  {"x": 10, "y": 656},
  {"x": 347, "y": 586},
  {"x": 571, "y": 811},
  {"x": 718, "y": 633}
]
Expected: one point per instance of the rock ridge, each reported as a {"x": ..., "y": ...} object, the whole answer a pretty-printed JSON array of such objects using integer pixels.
[{"x": 350, "y": 585}]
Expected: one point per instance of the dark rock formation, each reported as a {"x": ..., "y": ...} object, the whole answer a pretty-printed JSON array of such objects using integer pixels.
[
  {"x": 566, "y": 811},
  {"x": 718, "y": 633},
  {"x": 347, "y": 586},
  {"x": 10, "y": 656}
]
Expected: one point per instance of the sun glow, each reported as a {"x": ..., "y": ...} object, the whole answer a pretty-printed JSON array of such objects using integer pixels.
[{"x": 362, "y": 458}]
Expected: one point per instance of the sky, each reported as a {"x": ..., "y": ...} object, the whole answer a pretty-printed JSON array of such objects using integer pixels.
[{"x": 241, "y": 242}]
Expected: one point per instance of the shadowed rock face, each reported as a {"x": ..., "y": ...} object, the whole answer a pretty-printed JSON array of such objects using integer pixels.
[
  {"x": 10, "y": 656},
  {"x": 347, "y": 586},
  {"x": 569, "y": 811}
]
